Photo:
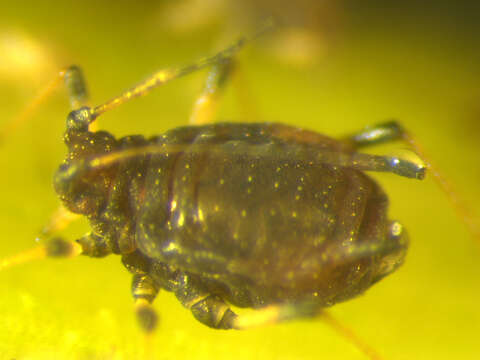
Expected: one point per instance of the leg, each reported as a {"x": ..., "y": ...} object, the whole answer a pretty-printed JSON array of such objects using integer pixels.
[
  {"x": 89, "y": 245},
  {"x": 207, "y": 308},
  {"x": 149, "y": 277},
  {"x": 279, "y": 313},
  {"x": 56, "y": 247},
  {"x": 207, "y": 103},
  {"x": 144, "y": 291},
  {"x": 212, "y": 311}
]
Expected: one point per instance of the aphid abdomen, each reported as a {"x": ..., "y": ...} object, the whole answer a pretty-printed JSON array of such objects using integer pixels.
[{"x": 261, "y": 224}]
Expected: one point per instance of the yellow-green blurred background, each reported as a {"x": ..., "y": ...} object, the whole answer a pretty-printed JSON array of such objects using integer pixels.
[{"x": 336, "y": 67}]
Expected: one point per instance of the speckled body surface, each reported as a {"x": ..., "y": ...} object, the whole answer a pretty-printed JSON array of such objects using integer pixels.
[{"x": 256, "y": 214}]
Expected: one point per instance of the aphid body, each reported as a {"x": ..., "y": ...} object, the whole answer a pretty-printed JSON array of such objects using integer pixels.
[{"x": 253, "y": 214}]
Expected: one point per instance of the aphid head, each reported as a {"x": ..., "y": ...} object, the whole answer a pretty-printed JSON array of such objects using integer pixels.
[{"x": 82, "y": 188}]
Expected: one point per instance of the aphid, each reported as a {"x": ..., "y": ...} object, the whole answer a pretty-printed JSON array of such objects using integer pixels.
[{"x": 265, "y": 215}]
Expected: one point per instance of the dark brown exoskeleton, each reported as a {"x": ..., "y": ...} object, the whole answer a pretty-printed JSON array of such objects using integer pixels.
[
  {"x": 259, "y": 215},
  {"x": 251, "y": 214}
]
